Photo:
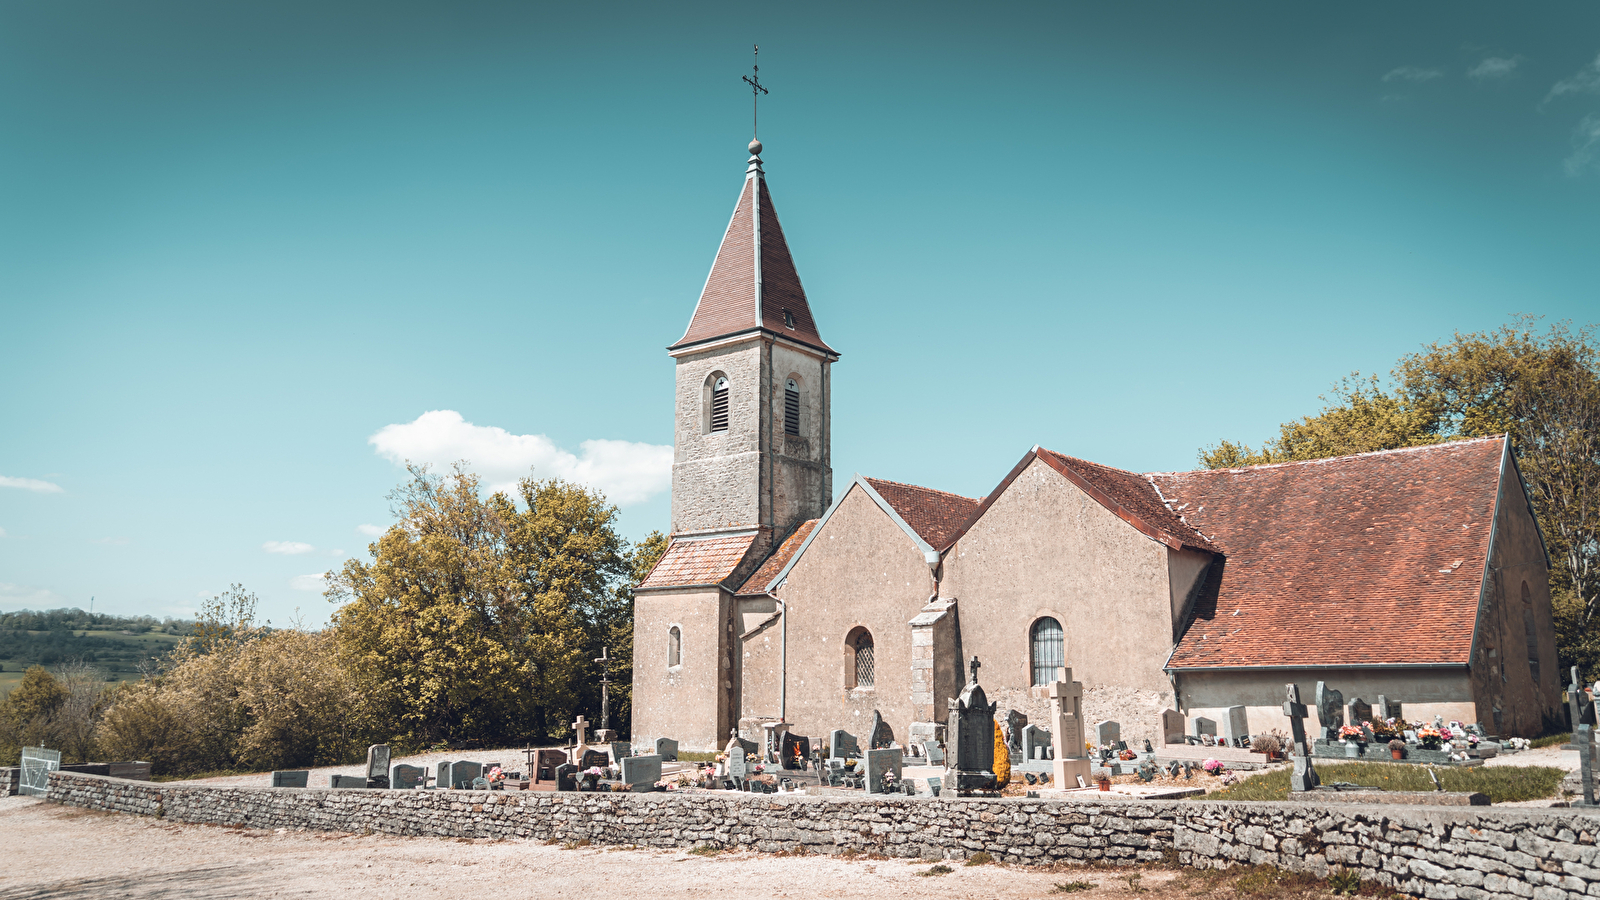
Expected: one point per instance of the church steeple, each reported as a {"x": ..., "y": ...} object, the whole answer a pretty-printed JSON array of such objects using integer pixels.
[{"x": 753, "y": 285}]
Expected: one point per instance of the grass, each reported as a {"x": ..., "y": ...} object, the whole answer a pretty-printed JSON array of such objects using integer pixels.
[
  {"x": 981, "y": 858},
  {"x": 1272, "y": 883},
  {"x": 697, "y": 755},
  {"x": 1501, "y": 784},
  {"x": 1550, "y": 740},
  {"x": 705, "y": 850},
  {"x": 216, "y": 773},
  {"x": 1071, "y": 887},
  {"x": 940, "y": 869}
]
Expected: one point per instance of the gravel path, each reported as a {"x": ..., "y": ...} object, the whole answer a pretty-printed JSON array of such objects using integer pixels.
[{"x": 61, "y": 852}]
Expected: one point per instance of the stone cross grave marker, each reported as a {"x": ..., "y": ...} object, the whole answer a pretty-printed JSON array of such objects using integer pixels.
[
  {"x": 378, "y": 766},
  {"x": 971, "y": 727},
  {"x": 1035, "y": 743},
  {"x": 881, "y": 761},
  {"x": 1066, "y": 713},
  {"x": 1305, "y": 775},
  {"x": 291, "y": 779},
  {"x": 580, "y": 727},
  {"x": 1107, "y": 733},
  {"x": 1330, "y": 711},
  {"x": 641, "y": 771},
  {"x": 407, "y": 778},
  {"x": 667, "y": 749},
  {"x": 1171, "y": 727},
  {"x": 1236, "y": 726},
  {"x": 1360, "y": 711},
  {"x": 842, "y": 743}
]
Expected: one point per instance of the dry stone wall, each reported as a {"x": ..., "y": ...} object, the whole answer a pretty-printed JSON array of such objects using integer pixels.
[{"x": 1471, "y": 853}]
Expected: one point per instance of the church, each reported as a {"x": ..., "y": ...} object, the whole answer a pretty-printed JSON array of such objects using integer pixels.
[{"x": 1419, "y": 574}]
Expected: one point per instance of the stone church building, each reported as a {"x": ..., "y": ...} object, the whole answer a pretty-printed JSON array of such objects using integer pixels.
[{"x": 1419, "y": 574}]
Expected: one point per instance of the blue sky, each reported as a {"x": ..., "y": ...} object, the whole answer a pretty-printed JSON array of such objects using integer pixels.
[{"x": 246, "y": 248}]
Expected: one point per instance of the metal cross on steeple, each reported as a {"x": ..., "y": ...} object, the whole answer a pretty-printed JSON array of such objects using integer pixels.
[{"x": 756, "y": 90}]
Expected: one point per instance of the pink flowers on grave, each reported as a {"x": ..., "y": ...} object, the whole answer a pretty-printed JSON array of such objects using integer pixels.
[
  {"x": 594, "y": 771},
  {"x": 1213, "y": 767},
  {"x": 1351, "y": 732},
  {"x": 495, "y": 775}
]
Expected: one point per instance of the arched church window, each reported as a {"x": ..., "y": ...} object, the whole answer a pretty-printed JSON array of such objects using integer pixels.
[
  {"x": 859, "y": 658},
  {"x": 719, "y": 405},
  {"x": 1048, "y": 651},
  {"x": 674, "y": 646},
  {"x": 791, "y": 408}
]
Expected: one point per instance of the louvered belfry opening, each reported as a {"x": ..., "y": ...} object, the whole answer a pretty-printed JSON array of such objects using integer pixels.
[
  {"x": 864, "y": 660},
  {"x": 719, "y": 405},
  {"x": 791, "y": 408}
]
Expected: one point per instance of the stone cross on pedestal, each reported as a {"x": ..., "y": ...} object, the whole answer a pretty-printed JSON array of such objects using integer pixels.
[
  {"x": 1066, "y": 731},
  {"x": 1574, "y": 690},
  {"x": 579, "y": 728},
  {"x": 1305, "y": 775}
]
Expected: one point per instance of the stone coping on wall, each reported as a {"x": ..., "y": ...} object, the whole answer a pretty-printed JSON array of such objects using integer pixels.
[{"x": 1442, "y": 853}]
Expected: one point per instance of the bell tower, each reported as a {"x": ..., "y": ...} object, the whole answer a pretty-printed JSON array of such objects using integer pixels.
[{"x": 751, "y": 439}]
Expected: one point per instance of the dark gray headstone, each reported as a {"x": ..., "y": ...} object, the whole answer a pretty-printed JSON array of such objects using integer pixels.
[
  {"x": 406, "y": 778},
  {"x": 441, "y": 776},
  {"x": 881, "y": 734},
  {"x": 1330, "y": 711},
  {"x": 971, "y": 728},
  {"x": 378, "y": 761},
  {"x": 1107, "y": 733},
  {"x": 593, "y": 759},
  {"x": 842, "y": 743},
  {"x": 566, "y": 777},
  {"x": 641, "y": 771},
  {"x": 463, "y": 773},
  {"x": 667, "y": 749},
  {"x": 1012, "y": 724},
  {"x": 1035, "y": 743},
  {"x": 344, "y": 782},
  {"x": 549, "y": 761},
  {"x": 294, "y": 779},
  {"x": 1360, "y": 711},
  {"x": 794, "y": 750},
  {"x": 935, "y": 753},
  {"x": 620, "y": 750},
  {"x": 879, "y": 762}
]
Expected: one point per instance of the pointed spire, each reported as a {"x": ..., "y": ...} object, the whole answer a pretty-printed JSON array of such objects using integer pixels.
[{"x": 753, "y": 285}]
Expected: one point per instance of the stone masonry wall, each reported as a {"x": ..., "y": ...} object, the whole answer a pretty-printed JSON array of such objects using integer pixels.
[
  {"x": 10, "y": 778},
  {"x": 1472, "y": 853}
]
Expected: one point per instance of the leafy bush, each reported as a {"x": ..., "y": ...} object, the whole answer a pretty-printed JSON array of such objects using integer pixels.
[{"x": 981, "y": 858}]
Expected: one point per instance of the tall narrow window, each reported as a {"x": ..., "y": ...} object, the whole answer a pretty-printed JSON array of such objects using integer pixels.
[
  {"x": 674, "y": 646},
  {"x": 1048, "y": 652},
  {"x": 719, "y": 405},
  {"x": 1531, "y": 631},
  {"x": 791, "y": 408},
  {"x": 788, "y": 319},
  {"x": 862, "y": 646}
]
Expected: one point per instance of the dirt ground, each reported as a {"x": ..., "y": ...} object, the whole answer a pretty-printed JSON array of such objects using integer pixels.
[{"x": 59, "y": 852}]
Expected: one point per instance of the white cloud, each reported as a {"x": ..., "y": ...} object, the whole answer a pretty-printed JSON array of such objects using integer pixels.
[
  {"x": 27, "y": 596},
  {"x": 1412, "y": 73},
  {"x": 30, "y": 484},
  {"x": 1585, "y": 81},
  {"x": 1585, "y": 143},
  {"x": 207, "y": 595},
  {"x": 2, "y": 532},
  {"x": 626, "y": 471},
  {"x": 291, "y": 548},
  {"x": 317, "y": 582},
  {"x": 370, "y": 530},
  {"x": 1494, "y": 67}
]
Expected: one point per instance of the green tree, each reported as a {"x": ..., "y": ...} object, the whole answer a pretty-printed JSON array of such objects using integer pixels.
[
  {"x": 1543, "y": 389},
  {"x": 26, "y": 713}
]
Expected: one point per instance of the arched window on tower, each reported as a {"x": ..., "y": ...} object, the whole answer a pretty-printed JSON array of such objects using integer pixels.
[
  {"x": 858, "y": 659},
  {"x": 719, "y": 404},
  {"x": 674, "y": 646},
  {"x": 1048, "y": 651},
  {"x": 791, "y": 408}
]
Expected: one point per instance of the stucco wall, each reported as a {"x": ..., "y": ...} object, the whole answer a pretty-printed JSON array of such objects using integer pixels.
[
  {"x": 1423, "y": 693},
  {"x": 1501, "y": 674},
  {"x": 1045, "y": 548},
  {"x": 690, "y": 703},
  {"x": 860, "y": 570},
  {"x": 716, "y": 477}
]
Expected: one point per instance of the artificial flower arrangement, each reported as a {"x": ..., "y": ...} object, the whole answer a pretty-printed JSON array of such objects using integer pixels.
[
  {"x": 1213, "y": 767},
  {"x": 495, "y": 776},
  {"x": 1351, "y": 733},
  {"x": 1430, "y": 738},
  {"x": 1383, "y": 729},
  {"x": 1125, "y": 755}
]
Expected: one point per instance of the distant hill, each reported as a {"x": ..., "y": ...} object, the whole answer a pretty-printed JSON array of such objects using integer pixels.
[{"x": 121, "y": 645}]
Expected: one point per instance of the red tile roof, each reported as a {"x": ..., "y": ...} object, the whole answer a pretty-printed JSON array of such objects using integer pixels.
[
  {"x": 730, "y": 303},
  {"x": 1369, "y": 559},
  {"x": 936, "y": 516},
  {"x": 694, "y": 562},
  {"x": 758, "y": 580},
  {"x": 1132, "y": 497}
]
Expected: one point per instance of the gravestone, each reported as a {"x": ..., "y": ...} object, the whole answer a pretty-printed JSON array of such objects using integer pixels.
[
  {"x": 1236, "y": 726},
  {"x": 1107, "y": 733},
  {"x": 594, "y": 759},
  {"x": 378, "y": 766},
  {"x": 971, "y": 729},
  {"x": 548, "y": 761},
  {"x": 794, "y": 751},
  {"x": 1035, "y": 743},
  {"x": 935, "y": 753},
  {"x": 1172, "y": 727},
  {"x": 1305, "y": 775},
  {"x": 1330, "y": 711},
  {"x": 566, "y": 777},
  {"x": 1070, "y": 766},
  {"x": 1013, "y": 722},
  {"x": 934, "y": 784},
  {"x": 1360, "y": 711},
  {"x": 294, "y": 779},
  {"x": 842, "y": 744},
  {"x": 738, "y": 764},
  {"x": 580, "y": 727},
  {"x": 1202, "y": 727},
  {"x": 667, "y": 749},
  {"x": 407, "y": 778},
  {"x": 642, "y": 772},
  {"x": 345, "y": 782},
  {"x": 620, "y": 750},
  {"x": 441, "y": 775},
  {"x": 881, "y": 734},
  {"x": 462, "y": 773},
  {"x": 878, "y": 762},
  {"x": 1583, "y": 738}
]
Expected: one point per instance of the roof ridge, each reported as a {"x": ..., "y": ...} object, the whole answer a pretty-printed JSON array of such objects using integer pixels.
[
  {"x": 1090, "y": 462},
  {"x": 1330, "y": 459},
  {"x": 921, "y": 487}
]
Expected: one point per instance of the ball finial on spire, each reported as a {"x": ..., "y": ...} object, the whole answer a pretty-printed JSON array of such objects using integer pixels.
[{"x": 755, "y": 148}]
